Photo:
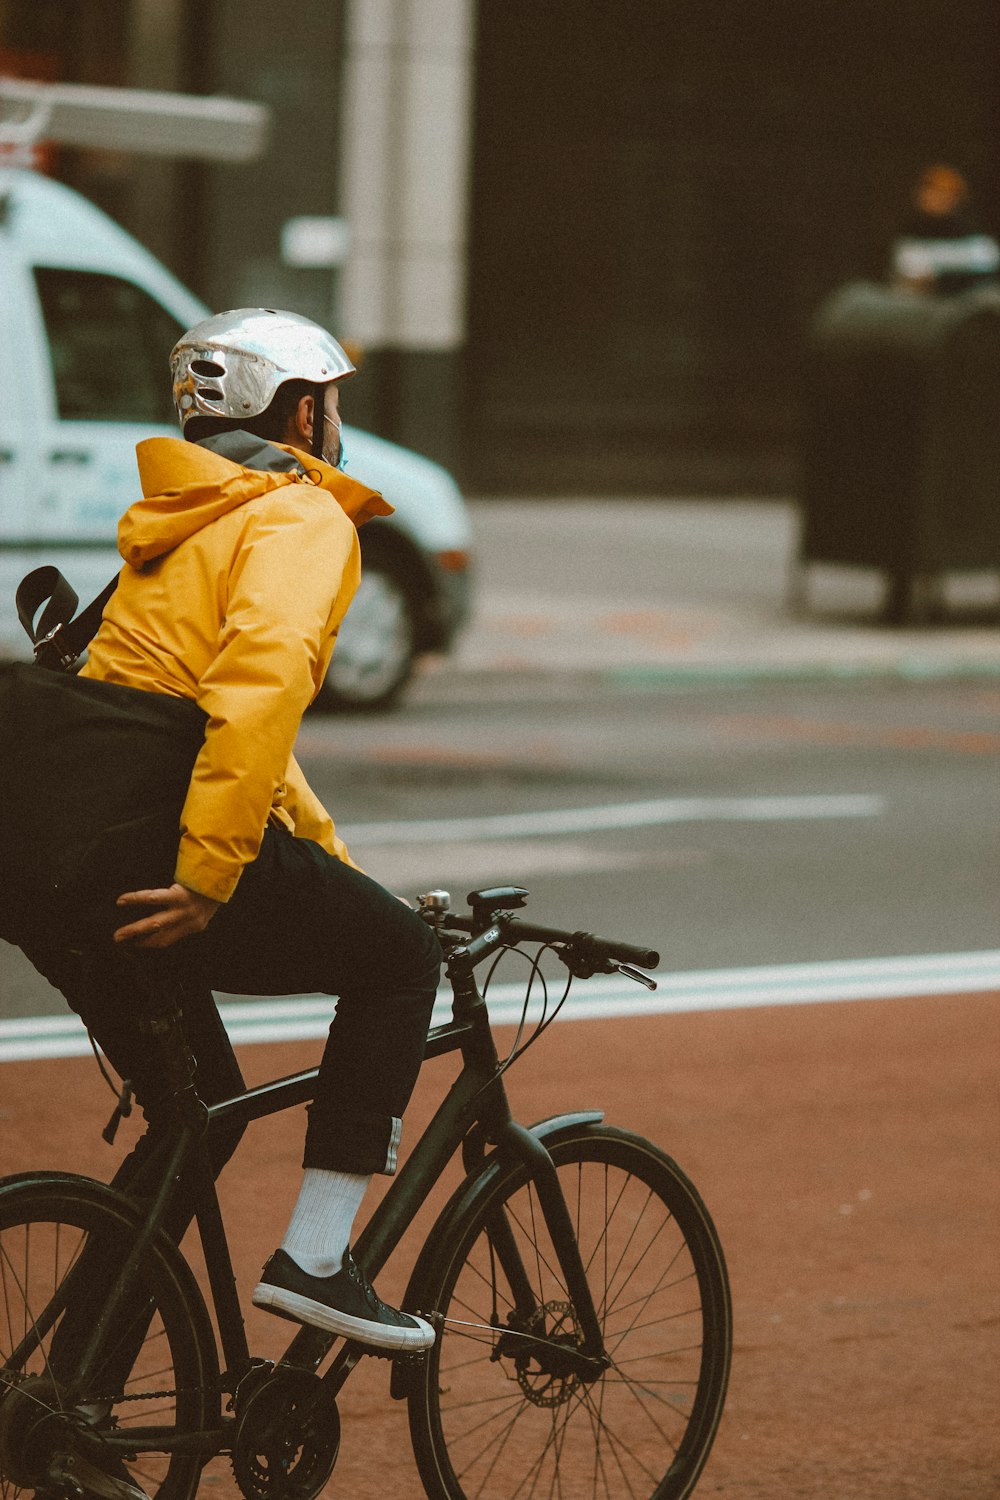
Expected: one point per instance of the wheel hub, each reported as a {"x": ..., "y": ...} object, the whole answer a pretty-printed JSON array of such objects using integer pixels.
[{"x": 34, "y": 1431}]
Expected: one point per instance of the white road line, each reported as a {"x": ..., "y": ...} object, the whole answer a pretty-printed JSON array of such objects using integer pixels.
[
  {"x": 307, "y": 1017},
  {"x": 615, "y": 815}
]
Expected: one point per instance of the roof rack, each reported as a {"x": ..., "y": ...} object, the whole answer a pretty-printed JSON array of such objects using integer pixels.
[{"x": 207, "y": 128}]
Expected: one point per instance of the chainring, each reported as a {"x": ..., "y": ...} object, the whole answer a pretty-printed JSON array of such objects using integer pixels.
[{"x": 287, "y": 1437}]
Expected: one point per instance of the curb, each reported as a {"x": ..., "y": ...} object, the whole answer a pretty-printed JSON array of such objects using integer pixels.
[
  {"x": 652, "y": 675},
  {"x": 904, "y": 669}
]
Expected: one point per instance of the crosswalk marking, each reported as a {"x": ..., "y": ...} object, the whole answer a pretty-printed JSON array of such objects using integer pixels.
[{"x": 648, "y": 814}]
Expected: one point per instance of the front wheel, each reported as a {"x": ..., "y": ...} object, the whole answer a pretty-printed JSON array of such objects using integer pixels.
[
  {"x": 503, "y": 1408},
  {"x": 62, "y": 1241}
]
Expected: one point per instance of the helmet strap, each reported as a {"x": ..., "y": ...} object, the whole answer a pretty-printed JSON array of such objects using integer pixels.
[{"x": 319, "y": 412}]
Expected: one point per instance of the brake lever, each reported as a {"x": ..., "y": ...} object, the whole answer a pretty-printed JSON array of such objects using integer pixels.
[
  {"x": 635, "y": 974},
  {"x": 576, "y": 955}
]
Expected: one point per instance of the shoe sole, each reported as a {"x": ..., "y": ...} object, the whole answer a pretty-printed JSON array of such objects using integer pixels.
[{"x": 300, "y": 1309}]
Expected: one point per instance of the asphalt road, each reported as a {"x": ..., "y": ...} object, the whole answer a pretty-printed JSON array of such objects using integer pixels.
[
  {"x": 637, "y": 730},
  {"x": 761, "y": 824},
  {"x": 863, "y": 825}
]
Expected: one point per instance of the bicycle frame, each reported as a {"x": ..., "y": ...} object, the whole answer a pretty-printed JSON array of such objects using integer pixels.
[{"x": 474, "y": 1114}]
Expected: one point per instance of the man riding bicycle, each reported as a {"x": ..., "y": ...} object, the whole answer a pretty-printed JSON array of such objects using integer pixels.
[{"x": 240, "y": 562}]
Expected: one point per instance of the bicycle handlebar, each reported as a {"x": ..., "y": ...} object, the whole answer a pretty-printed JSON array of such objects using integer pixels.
[{"x": 596, "y": 950}]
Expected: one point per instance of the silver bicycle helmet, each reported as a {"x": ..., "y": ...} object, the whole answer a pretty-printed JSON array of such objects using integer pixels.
[{"x": 232, "y": 364}]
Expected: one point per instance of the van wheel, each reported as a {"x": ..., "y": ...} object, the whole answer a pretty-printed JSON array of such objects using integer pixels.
[{"x": 374, "y": 656}]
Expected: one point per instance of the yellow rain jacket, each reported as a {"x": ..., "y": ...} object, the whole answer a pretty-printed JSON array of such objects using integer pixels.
[{"x": 234, "y": 586}]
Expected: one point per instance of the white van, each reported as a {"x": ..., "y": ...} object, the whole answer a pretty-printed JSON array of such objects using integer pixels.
[{"x": 87, "y": 317}]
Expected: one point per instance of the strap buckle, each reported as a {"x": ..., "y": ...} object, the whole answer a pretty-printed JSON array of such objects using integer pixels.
[{"x": 52, "y": 651}]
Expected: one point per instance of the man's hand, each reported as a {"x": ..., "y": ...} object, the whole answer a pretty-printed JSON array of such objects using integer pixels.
[{"x": 180, "y": 913}]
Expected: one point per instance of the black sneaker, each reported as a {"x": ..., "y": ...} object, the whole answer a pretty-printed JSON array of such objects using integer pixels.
[{"x": 344, "y": 1303}]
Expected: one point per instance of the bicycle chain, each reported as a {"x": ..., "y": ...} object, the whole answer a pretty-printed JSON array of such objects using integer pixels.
[{"x": 191, "y": 1390}]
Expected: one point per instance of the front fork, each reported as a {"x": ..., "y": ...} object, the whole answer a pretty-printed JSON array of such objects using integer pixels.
[{"x": 515, "y": 1141}]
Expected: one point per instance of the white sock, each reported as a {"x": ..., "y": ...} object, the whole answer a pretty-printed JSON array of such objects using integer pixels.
[{"x": 319, "y": 1230}]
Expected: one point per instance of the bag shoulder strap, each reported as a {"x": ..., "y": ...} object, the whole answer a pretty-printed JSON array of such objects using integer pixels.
[{"x": 57, "y": 637}]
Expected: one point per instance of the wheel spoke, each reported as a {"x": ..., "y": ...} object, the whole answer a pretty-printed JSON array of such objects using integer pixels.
[
  {"x": 499, "y": 1452},
  {"x": 535, "y": 1470},
  {"x": 506, "y": 1420},
  {"x": 661, "y": 1286},
  {"x": 618, "y": 1446},
  {"x": 489, "y": 1282},
  {"x": 601, "y": 1245},
  {"x": 513, "y": 1405},
  {"x": 687, "y": 1312},
  {"x": 686, "y": 1349},
  {"x": 531, "y": 1239},
  {"x": 611, "y": 1305},
  {"x": 500, "y": 1439},
  {"x": 463, "y": 1364},
  {"x": 471, "y": 1333},
  {"x": 634, "y": 1389},
  {"x": 60, "y": 1241},
  {"x": 32, "y": 1339}
]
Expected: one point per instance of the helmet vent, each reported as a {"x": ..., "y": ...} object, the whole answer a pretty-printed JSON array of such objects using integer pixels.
[
  {"x": 209, "y": 393},
  {"x": 207, "y": 367}
]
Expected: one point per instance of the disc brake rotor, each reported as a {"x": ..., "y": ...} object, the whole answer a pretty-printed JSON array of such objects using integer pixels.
[{"x": 544, "y": 1377}]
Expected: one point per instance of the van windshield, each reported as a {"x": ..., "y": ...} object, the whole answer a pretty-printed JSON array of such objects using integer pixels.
[{"x": 109, "y": 343}]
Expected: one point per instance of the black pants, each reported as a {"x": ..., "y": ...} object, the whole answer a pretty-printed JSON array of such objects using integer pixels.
[{"x": 299, "y": 921}]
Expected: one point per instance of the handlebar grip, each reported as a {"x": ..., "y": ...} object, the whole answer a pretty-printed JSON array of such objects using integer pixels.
[
  {"x": 628, "y": 953},
  {"x": 625, "y": 953}
]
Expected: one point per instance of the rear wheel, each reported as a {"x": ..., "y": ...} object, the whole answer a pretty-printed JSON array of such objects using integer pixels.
[
  {"x": 62, "y": 1240},
  {"x": 504, "y": 1409}
]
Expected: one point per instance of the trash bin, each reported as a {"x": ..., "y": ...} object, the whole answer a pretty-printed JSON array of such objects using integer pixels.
[{"x": 900, "y": 453}]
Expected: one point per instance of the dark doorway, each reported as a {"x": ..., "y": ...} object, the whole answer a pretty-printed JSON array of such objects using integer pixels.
[{"x": 663, "y": 191}]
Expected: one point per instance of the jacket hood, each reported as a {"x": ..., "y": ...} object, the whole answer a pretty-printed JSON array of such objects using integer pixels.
[{"x": 186, "y": 486}]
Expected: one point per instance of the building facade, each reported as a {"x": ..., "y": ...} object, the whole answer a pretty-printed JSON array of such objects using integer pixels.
[{"x": 580, "y": 244}]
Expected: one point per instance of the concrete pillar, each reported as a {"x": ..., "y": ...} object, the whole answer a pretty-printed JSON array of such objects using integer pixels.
[
  {"x": 153, "y": 61},
  {"x": 154, "y": 32},
  {"x": 406, "y": 128}
]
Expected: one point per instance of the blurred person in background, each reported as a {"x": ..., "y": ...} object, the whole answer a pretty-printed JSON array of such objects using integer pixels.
[{"x": 941, "y": 249}]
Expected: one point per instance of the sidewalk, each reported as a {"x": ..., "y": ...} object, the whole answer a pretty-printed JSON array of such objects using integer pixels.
[{"x": 695, "y": 590}]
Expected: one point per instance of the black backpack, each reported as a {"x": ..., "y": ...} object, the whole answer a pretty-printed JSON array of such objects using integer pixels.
[{"x": 94, "y": 776}]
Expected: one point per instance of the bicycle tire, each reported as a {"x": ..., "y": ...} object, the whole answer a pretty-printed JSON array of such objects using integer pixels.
[
  {"x": 49, "y": 1223},
  {"x": 489, "y": 1420}
]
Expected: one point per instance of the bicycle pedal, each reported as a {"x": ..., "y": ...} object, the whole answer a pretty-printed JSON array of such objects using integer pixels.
[
  {"x": 404, "y": 1358},
  {"x": 406, "y": 1374}
]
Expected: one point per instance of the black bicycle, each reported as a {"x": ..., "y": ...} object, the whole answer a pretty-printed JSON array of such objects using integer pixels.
[{"x": 575, "y": 1280}]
